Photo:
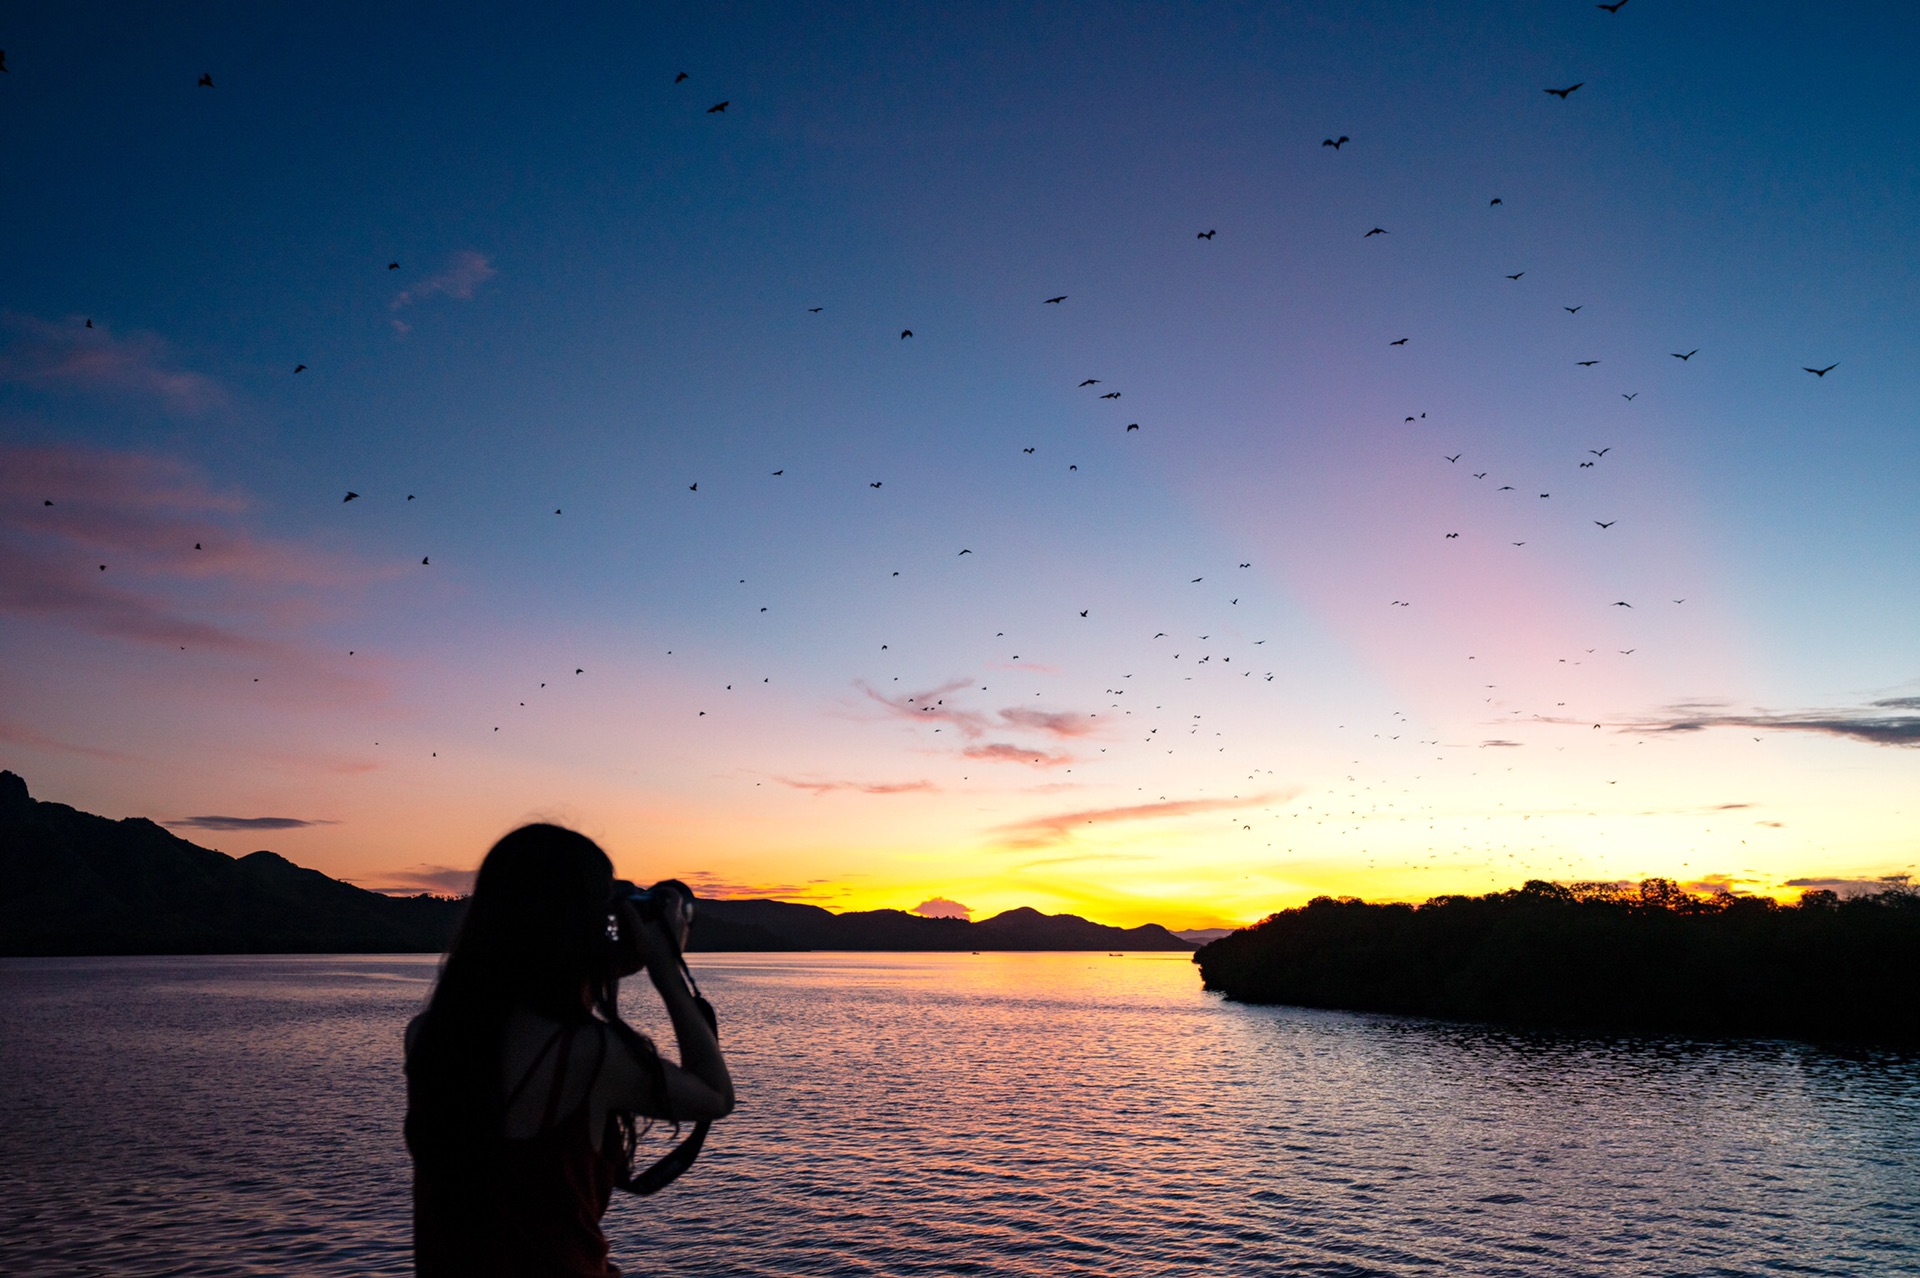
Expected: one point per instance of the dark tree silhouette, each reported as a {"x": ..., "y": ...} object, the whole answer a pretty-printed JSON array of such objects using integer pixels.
[{"x": 1650, "y": 957}]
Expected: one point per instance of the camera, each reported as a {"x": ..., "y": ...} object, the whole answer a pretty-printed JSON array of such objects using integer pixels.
[{"x": 651, "y": 903}]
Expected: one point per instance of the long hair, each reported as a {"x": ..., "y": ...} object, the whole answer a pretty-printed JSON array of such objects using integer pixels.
[{"x": 533, "y": 937}]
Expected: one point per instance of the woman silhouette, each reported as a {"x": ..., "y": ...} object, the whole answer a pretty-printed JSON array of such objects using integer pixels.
[{"x": 523, "y": 1083}]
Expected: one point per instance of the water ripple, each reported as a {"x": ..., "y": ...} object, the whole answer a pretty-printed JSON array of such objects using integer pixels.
[{"x": 1007, "y": 1114}]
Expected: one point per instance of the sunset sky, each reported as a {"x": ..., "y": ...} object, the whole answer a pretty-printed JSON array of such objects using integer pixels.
[{"x": 936, "y": 622}]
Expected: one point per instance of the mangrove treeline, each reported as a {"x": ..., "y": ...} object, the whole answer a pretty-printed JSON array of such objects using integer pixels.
[{"x": 1650, "y": 957}]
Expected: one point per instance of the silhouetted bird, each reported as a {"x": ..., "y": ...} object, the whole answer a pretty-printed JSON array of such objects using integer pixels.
[
  {"x": 206, "y": 80},
  {"x": 423, "y": 561},
  {"x": 3, "y": 60},
  {"x": 1611, "y": 8},
  {"x": 1091, "y": 381},
  {"x": 299, "y": 368},
  {"x": 1132, "y": 426},
  {"x": 1456, "y": 457},
  {"x": 1111, "y": 395},
  {"x": 874, "y": 484},
  {"x": 1480, "y": 474},
  {"x": 1083, "y": 612},
  {"x": 1378, "y": 230},
  {"x": 718, "y": 107},
  {"x": 1562, "y": 93},
  {"x": 1451, "y": 536},
  {"x": 1627, "y": 397},
  {"x": 1573, "y": 310},
  {"x": 693, "y": 488},
  {"x": 1689, "y": 355},
  {"x": 1620, "y": 603},
  {"x": 1026, "y": 450},
  {"x": 46, "y": 503},
  {"x": 1608, "y": 524},
  {"x": 905, "y": 333},
  {"x": 349, "y": 497},
  {"x": 1601, "y": 452},
  {"x": 1586, "y": 363},
  {"x": 89, "y": 323},
  {"x": 1401, "y": 342},
  {"x": 1337, "y": 143},
  {"x": 1204, "y": 235},
  {"x": 815, "y": 310},
  {"x": 966, "y": 552},
  {"x": 1822, "y": 372},
  {"x": 781, "y": 471},
  {"x": 393, "y": 266},
  {"x": 678, "y": 78},
  {"x": 1495, "y": 200},
  {"x": 1516, "y": 275},
  {"x": 1055, "y": 301}
]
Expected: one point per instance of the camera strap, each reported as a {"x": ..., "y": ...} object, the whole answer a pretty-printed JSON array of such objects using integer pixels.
[{"x": 669, "y": 1167}]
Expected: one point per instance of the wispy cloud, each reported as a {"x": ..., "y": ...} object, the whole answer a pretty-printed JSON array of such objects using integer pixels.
[
  {"x": 1498, "y": 742},
  {"x": 462, "y": 278},
  {"x": 940, "y": 705},
  {"x": 242, "y": 823},
  {"x": 1045, "y": 831},
  {"x": 1859, "y": 725},
  {"x": 138, "y": 547},
  {"x": 20, "y": 735},
  {"x": 67, "y": 355},
  {"x": 1007, "y": 752},
  {"x": 858, "y": 787},
  {"x": 721, "y": 887},
  {"x": 1055, "y": 723},
  {"x": 441, "y": 880}
]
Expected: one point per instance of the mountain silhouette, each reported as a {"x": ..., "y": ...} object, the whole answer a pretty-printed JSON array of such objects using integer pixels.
[{"x": 76, "y": 883}]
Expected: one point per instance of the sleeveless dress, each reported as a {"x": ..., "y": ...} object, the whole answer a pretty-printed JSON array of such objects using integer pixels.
[{"x": 532, "y": 1209}]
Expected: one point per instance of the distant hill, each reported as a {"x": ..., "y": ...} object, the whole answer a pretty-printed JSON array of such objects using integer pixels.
[
  {"x": 75, "y": 883},
  {"x": 782, "y": 925},
  {"x": 1597, "y": 956}
]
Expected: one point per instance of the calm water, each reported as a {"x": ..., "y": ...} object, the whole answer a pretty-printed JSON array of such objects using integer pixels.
[{"x": 958, "y": 1114}]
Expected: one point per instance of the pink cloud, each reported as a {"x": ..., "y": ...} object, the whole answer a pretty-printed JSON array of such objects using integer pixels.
[
  {"x": 181, "y": 570},
  {"x": 1045, "y": 831},
  {"x": 69, "y": 355},
  {"x": 721, "y": 888},
  {"x": 861, "y": 787},
  {"x": 1057, "y": 723},
  {"x": 932, "y": 706},
  {"x": 15, "y": 734},
  {"x": 468, "y": 271},
  {"x": 941, "y": 908},
  {"x": 1006, "y": 752}
]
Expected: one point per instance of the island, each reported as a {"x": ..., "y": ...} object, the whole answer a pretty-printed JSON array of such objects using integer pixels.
[{"x": 1646, "y": 957}]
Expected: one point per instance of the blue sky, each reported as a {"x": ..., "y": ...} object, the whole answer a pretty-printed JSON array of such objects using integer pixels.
[{"x": 604, "y": 298}]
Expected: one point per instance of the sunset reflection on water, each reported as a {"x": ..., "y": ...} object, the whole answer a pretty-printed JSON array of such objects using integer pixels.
[{"x": 958, "y": 1113}]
